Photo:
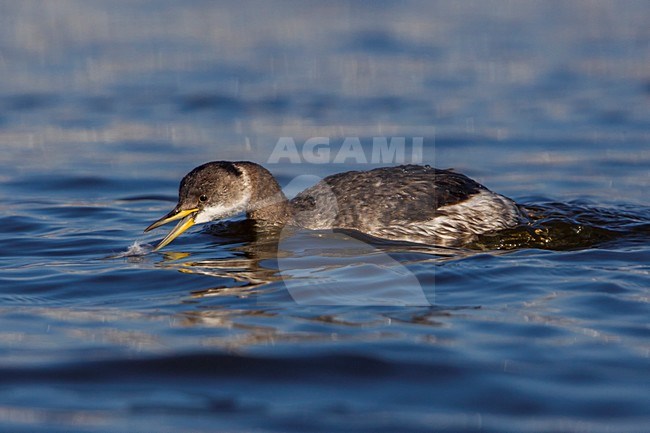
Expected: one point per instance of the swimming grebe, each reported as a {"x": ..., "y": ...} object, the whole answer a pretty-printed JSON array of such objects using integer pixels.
[{"x": 408, "y": 203}]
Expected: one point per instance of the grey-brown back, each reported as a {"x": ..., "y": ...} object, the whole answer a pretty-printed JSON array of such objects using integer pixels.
[{"x": 366, "y": 200}]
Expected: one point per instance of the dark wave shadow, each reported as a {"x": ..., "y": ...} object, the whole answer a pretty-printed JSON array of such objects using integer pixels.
[{"x": 571, "y": 226}]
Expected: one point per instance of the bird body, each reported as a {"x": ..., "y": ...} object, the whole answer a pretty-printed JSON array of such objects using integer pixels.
[{"x": 408, "y": 203}]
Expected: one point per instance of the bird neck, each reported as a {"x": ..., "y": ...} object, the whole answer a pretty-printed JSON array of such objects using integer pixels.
[{"x": 267, "y": 203}]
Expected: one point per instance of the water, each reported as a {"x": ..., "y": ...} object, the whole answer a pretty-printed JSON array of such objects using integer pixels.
[{"x": 105, "y": 106}]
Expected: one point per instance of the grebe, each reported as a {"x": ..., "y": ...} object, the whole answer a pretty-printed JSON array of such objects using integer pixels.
[{"x": 407, "y": 203}]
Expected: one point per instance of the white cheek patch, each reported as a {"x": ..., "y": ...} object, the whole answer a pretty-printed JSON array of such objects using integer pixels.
[{"x": 211, "y": 213}]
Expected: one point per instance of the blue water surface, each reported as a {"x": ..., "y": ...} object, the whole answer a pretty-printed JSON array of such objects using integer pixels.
[{"x": 104, "y": 106}]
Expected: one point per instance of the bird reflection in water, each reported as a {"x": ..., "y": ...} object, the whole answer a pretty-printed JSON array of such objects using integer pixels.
[
  {"x": 308, "y": 266},
  {"x": 249, "y": 271}
]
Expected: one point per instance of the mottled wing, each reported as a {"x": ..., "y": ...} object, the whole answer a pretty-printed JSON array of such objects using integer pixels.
[{"x": 382, "y": 197}]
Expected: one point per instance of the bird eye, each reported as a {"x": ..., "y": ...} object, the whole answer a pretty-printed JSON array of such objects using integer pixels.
[{"x": 203, "y": 198}]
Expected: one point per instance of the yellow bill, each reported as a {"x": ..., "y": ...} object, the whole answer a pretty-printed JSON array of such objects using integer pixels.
[{"x": 186, "y": 218}]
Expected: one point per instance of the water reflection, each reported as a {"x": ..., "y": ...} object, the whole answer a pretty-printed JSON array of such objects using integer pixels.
[
  {"x": 334, "y": 268},
  {"x": 311, "y": 266},
  {"x": 240, "y": 329}
]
